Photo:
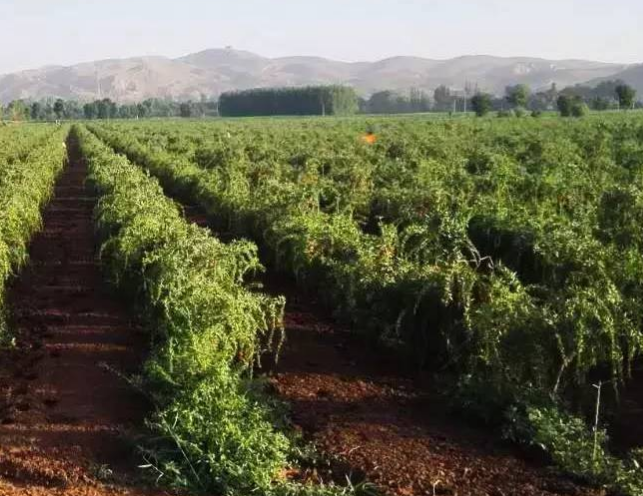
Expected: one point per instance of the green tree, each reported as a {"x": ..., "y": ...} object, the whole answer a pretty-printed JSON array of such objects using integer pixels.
[
  {"x": 626, "y": 95},
  {"x": 142, "y": 110},
  {"x": 106, "y": 109},
  {"x": 18, "y": 111},
  {"x": 185, "y": 109},
  {"x": 599, "y": 103},
  {"x": 419, "y": 101},
  {"x": 572, "y": 106},
  {"x": 157, "y": 107},
  {"x": 311, "y": 100},
  {"x": 47, "y": 112},
  {"x": 443, "y": 99},
  {"x": 481, "y": 104},
  {"x": 579, "y": 108},
  {"x": 607, "y": 89},
  {"x": 59, "y": 108},
  {"x": 72, "y": 109},
  {"x": 552, "y": 95},
  {"x": 36, "y": 111},
  {"x": 382, "y": 102},
  {"x": 90, "y": 110},
  {"x": 127, "y": 111},
  {"x": 564, "y": 104},
  {"x": 517, "y": 95}
]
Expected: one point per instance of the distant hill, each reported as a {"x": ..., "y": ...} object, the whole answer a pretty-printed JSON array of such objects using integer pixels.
[
  {"x": 632, "y": 75},
  {"x": 213, "y": 71}
]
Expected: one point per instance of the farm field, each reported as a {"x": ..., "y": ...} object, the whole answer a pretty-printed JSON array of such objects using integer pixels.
[{"x": 257, "y": 306}]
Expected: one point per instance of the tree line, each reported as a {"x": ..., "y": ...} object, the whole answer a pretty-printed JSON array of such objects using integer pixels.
[
  {"x": 309, "y": 100},
  {"x": 320, "y": 100},
  {"x": 574, "y": 101},
  {"x": 517, "y": 100},
  {"x": 50, "y": 109},
  {"x": 340, "y": 100}
]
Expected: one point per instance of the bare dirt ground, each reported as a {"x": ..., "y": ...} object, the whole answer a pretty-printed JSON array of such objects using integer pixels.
[
  {"x": 352, "y": 404},
  {"x": 67, "y": 422}
]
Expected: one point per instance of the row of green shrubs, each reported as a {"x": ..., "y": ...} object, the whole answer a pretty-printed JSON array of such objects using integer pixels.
[
  {"x": 373, "y": 277},
  {"x": 26, "y": 185},
  {"x": 212, "y": 429}
]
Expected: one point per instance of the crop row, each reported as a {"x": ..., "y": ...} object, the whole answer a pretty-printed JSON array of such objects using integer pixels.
[
  {"x": 214, "y": 430},
  {"x": 502, "y": 255},
  {"x": 510, "y": 255},
  {"x": 26, "y": 185}
]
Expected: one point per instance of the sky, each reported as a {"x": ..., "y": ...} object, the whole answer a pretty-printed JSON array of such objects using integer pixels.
[{"x": 34, "y": 33}]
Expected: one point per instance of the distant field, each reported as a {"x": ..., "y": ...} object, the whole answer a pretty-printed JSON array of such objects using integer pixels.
[
  {"x": 448, "y": 238},
  {"x": 502, "y": 258}
]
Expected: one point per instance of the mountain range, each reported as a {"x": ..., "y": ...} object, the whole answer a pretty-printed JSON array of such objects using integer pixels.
[{"x": 211, "y": 72}]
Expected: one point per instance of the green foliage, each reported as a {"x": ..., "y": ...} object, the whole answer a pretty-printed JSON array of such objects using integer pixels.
[
  {"x": 216, "y": 436},
  {"x": 213, "y": 433},
  {"x": 599, "y": 103},
  {"x": 506, "y": 113},
  {"x": 443, "y": 99},
  {"x": 626, "y": 96},
  {"x": 604, "y": 92},
  {"x": 572, "y": 106},
  {"x": 504, "y": 250},
  {"x": 520, "y": 111},
  {"x": 518, "y": 95},
  {"x": 520, "y": 293},
  {"x": 213, "y": 430},
  {"x": 49, "y": 109},
  {"x": 577, "y": 450},
  {"x": 312, "y": 100},
  {"x": 17, "y": 111},
  {"x": 390, "y": 102},
  {"x": 31, "y": 159},
  {"x": 481, "y": 104},
  {"x": 565, "y": 105},
  {"x": 580, "y": 109},
  {"x": 59, "y": 108},
  {"x": 568, "y": 441}
]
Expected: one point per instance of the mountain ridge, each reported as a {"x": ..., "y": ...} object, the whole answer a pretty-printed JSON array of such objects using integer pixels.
[
  {"x": 210, "y": 72},
  {"x": 632, "y": 75}
]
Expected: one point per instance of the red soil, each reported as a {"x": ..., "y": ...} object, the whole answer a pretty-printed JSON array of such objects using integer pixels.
[
  {"x": 350, "y": 402},
  {"x": 67, "y": 419}
]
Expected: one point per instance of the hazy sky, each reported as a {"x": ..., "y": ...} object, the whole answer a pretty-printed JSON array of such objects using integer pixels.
[{"x": 40, "y": 32}]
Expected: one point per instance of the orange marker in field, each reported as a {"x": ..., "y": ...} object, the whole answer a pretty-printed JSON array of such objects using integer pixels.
[{"x": 369, "y": 138}]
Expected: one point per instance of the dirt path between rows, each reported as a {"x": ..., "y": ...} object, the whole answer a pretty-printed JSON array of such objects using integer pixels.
[
  {"x": 67, "y": 421},
  {"x": 377, "y": 425},
  {"x": 627, "y": 429},
  {"x": 352, "y": 404}
]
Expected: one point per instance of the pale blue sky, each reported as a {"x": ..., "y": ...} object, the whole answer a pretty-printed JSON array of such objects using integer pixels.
[{"x": 40, "y": 32}]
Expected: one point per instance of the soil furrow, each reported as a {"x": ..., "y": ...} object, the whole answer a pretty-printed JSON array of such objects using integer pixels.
[{"x": 67, "y": 417}]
